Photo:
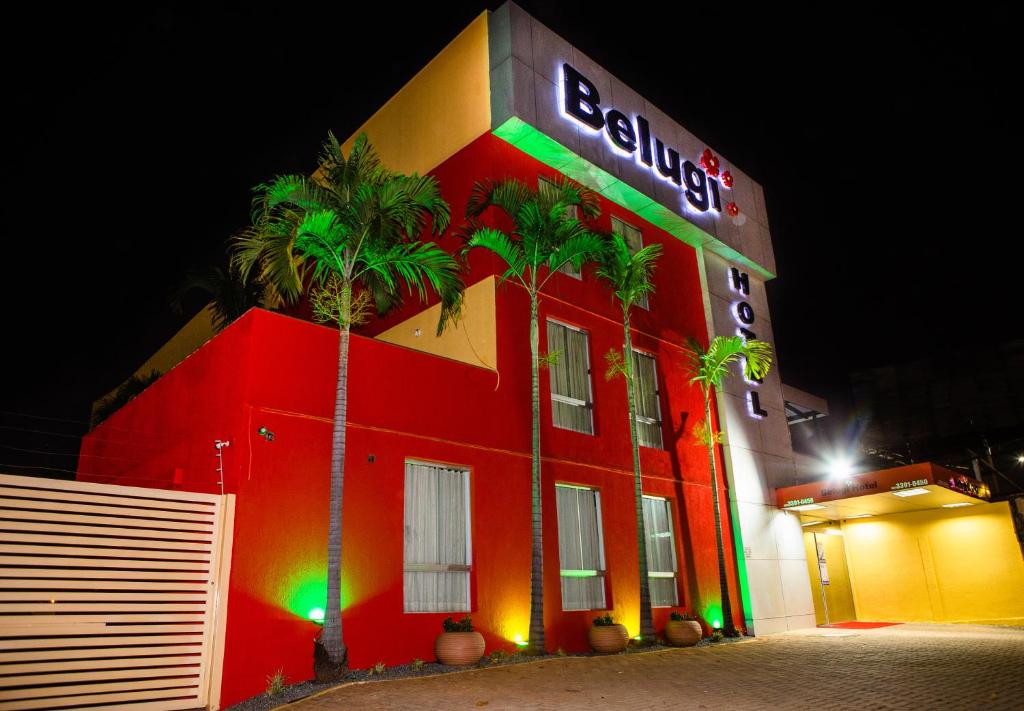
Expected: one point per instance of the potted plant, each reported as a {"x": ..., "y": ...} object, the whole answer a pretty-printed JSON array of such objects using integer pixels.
[
  {"x": 683, "y": 630},
  {"x": 459, "y": 644},
  {"x": 607, "y": 637}
]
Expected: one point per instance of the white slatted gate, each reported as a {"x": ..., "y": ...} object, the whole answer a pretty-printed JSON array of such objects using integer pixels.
[{"x": 109, "y": 595}]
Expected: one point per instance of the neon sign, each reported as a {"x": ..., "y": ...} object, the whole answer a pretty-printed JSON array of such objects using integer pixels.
[{"x": 581, "y": 102}]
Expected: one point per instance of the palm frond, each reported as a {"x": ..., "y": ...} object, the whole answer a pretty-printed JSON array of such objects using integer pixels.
[
  {"x": 576, "y": 250},
  {"x": 503, "y": 246},
  {"x": 419, "y": 265},
  {"x": 629, "y": 274},
  {"x": 709, "y": 367},
  {"x": 507, "y": 195},
  {"x": 265, "y": 252}
]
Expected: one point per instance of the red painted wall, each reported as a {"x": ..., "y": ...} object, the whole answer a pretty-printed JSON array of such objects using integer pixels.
[{"x": 269, "y": 370}]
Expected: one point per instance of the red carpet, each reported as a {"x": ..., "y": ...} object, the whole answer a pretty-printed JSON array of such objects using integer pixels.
[{"x": 861, "y": 625}]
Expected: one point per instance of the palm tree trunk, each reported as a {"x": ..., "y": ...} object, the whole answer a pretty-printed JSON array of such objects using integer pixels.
[
  {"x": 332, "y": 638},
  {"x": 646, "y": 620},
  {"x": 537, "y": 645},
  {"x": 723, "y": 580}
]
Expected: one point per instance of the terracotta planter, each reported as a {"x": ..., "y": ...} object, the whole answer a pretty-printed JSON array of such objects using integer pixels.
[
  {"x": 683, "y": 633},
  {"x": 608, "y": 639},
  {"x": 459, "y": 648}
]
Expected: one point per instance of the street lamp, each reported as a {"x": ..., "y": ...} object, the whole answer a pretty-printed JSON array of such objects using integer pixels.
[{"x": 839, "y": 467}]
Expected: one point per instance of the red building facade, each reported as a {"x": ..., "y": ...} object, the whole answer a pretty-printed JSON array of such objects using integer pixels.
[{"x": 274, "y": 374}]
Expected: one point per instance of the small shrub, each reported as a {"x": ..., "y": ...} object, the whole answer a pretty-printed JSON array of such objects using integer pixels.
[
  {"x": 498, "y": 656},
  {"x": 717, "y": 636},
  {"x": 463, "y": 625},
  {"x": 605, "y": 621},
  {"x": 417, "y": 664},
  {"x": 682, "y": 617},
  {"x": 275, "y": 682},
  {"x": 376, "y": 670},
  {"x": 561, "y": 652}
]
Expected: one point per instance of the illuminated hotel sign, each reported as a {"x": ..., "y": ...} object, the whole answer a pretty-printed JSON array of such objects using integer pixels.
[
  {"x": 743, "y": 312},
  {"x": 581, "y": 103}
]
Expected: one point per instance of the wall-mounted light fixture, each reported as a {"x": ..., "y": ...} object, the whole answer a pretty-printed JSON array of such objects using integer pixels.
[{"x": 265, "y": 434}]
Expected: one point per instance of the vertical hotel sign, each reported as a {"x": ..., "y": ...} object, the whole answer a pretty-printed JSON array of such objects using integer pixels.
[{"x": 743, "y": 313}]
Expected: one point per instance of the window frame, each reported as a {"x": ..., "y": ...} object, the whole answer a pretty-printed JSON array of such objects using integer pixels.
[
  {"x": 588, "y": 405},
  {"x": 671, "y": 534},
  {"x": 657, "y": 400},
  {"x": 644, "y": 302},
  {"x": 602, "y": 572},
  {"x": 441, "y": 567}
]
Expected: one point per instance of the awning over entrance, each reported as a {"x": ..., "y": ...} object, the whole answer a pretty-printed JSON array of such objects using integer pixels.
[{"x": 901, "y": 489}]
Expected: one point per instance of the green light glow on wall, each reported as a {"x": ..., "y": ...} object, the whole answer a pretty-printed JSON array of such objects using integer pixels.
[
  {"x": 552, "y": 153},
  {"x": 713, "y": 615},
  {"x": 308, "y": 596},
  {"x": 578, "y": 573}
]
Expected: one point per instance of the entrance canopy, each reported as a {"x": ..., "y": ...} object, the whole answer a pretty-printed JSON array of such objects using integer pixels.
[{"x": 909, "y": 488}]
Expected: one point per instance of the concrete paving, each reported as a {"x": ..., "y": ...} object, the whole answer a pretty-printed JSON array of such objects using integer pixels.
[{"x": 902, "y": 667}]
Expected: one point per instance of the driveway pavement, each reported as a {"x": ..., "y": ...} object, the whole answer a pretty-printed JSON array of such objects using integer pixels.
[{"x": 903, "y": 667}]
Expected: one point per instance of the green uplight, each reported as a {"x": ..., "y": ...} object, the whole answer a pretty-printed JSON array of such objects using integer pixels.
[
  {"x": 317, "y": 615},
  {"x": 712, "y": 614},
  {"x": 305, "y": 593},
  {"x": 638, "y": 638},
  {"x": 520, "y": 642}
]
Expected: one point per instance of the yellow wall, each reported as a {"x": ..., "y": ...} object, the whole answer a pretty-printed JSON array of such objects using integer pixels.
[
  {"x": 939, "y": 565},
  {"x": 839, "y": 592},
  {"x": 448, "y": 102},
  {"x": 472, "y": 340}
]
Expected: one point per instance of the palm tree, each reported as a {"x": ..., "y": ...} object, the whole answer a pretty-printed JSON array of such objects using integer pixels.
[
  {"x": 545, "y": 237},
  {"x": 629, "y": 276},
  {"x": 230, "y": 295},
  {"x": 352, "y": 231},
  {"x": 708, "y": 368}
]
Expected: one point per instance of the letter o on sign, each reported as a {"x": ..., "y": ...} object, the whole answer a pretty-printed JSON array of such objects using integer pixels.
[{"x": 744, "y": 312}]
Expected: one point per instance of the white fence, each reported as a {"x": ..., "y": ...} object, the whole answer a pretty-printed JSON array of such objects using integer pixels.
[{"x": 109, "y": 595}]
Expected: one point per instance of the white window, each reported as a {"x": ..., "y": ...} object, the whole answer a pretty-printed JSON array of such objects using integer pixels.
[
  {"x": 437, "y": 541},
  {"x": 648, "y": 409},
  {"x": 580, "y": 547},
  {"x": 661, "y": 552},
  {"x": 572, "y": 211},
  {"x": 635, "y": 241},
  {"x": 571, "y": 398}
]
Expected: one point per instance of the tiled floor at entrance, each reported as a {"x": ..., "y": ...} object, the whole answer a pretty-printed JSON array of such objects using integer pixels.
[{"x": 903, "y": 667}]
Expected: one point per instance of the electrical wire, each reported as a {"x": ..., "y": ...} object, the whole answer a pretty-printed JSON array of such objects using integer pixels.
[{"x": 63, "y": 454}]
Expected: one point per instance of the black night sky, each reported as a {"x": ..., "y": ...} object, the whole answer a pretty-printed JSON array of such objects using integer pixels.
[{"x": 883, "y": 142}]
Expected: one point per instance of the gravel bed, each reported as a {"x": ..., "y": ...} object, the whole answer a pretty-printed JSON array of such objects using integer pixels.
[{"x": 295, "y": 692}]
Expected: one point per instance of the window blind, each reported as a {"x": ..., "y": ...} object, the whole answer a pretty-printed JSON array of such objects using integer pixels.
[
  {"x": 648, "y": 409},
  {"x": 580, "y": 548},
  {"x": 661, "y": 552},
  {"x": 570, "y": 379},
  {"x": 437, "y": 545}
]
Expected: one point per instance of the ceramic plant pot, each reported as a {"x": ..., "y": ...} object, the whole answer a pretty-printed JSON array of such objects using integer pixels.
[
  {"x": 608, "y": 639},
  {"x": 459, "y": 648},
  {"x": 683, "y": 633}
]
